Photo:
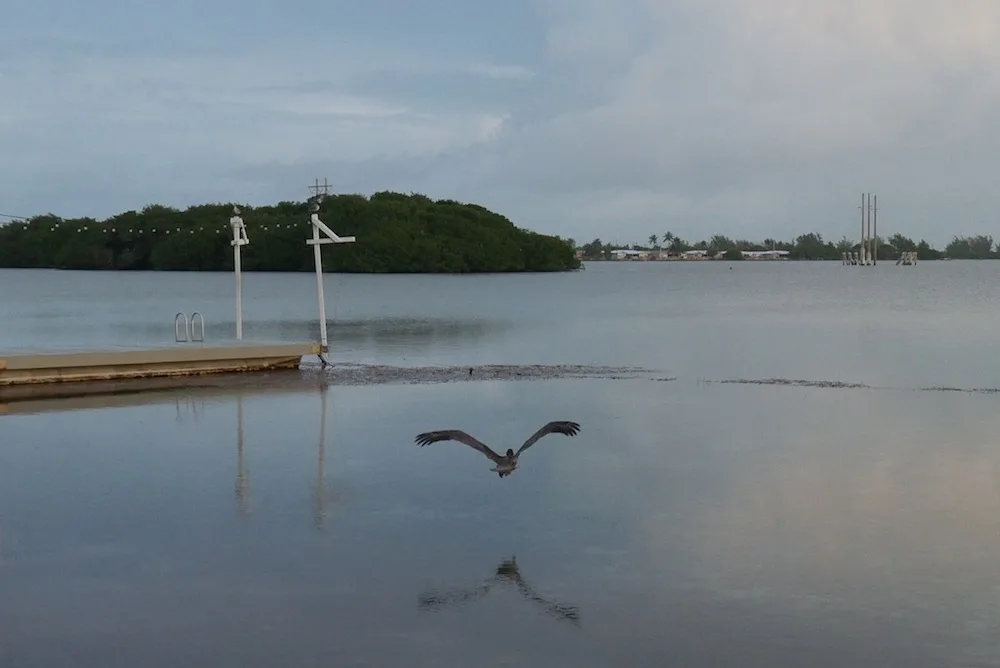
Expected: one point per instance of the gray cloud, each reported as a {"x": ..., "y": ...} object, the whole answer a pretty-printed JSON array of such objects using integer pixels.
[{"x": 633, "y": 117}]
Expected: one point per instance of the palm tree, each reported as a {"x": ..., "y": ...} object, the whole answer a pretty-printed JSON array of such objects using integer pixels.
[
  {"x": 652, "y": 240},
  {"x": 668, "y": 238}
]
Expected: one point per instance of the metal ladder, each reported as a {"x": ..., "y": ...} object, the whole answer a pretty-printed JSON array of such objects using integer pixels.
[{"x": 188, "y": 333}]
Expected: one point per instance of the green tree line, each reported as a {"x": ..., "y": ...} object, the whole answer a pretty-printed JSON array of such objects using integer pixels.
[
  {"x": 810, "y": 246},
  {"x": 396, "y": 233}
]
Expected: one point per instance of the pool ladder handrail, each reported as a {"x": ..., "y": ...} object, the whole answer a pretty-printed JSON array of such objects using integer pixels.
[{"x": 189, "y": 331}]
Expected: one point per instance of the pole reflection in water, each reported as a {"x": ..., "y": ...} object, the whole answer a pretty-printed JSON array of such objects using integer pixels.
[
  {"x": 192, "y": 406},
  {"x": 507, "y": 574},
  {"x": 319, "y": 515},
  {"x": 242, "y": 475},
  {"x": 320, "y": 492}
]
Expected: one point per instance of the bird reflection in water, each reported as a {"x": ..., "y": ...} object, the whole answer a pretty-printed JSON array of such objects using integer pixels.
[{"x": 507, "y": 574}]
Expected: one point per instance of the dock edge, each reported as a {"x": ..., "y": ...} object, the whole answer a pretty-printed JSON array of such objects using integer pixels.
[{"x": 29, "y": 369}]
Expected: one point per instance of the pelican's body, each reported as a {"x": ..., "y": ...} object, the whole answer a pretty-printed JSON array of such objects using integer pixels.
[
  {"x": 504, "y": 470},
  {"x": 507, "y": 462}
]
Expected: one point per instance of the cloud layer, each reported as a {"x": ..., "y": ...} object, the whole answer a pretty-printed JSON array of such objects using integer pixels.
[{"x": 587, "y": 118}]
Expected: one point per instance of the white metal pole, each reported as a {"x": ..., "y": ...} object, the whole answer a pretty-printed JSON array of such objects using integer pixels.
[
  {"x": 239, "y": 239},
  {"x": 239, "y": 290},
  {"x": 319, "y": 226},
  {"x": 318, "y": 256}
]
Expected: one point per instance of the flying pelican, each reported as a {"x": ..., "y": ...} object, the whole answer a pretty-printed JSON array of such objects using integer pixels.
[{"x": 505, "y": 464}]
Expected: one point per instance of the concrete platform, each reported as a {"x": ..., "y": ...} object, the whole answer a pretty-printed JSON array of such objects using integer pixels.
[
  {"x": 128, "y": 393},
  {"x": 49, "y": 368}
]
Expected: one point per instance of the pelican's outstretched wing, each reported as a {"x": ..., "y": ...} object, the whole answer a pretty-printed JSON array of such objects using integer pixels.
[
  {"x": 457, "y": 435},
  {"x": 557, "y": 427}
]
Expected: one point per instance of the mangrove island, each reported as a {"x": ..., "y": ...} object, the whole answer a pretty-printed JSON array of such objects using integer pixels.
[{"x": 396, "y": 233}]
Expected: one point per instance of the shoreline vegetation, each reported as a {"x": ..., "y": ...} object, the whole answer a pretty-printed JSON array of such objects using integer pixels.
[
  {"x": 397, "y": 233},
  {"x": 805, "y": 247}
]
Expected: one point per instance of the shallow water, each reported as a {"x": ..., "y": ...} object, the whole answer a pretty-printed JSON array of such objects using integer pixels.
[
  {"x": 853, "y": 526},
  {"x": 929, "y": 325},
  {"x": 691, "y": 522}
]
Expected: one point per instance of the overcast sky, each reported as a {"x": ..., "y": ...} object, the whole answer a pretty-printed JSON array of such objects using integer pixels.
[{"x": 585, "y": 118}]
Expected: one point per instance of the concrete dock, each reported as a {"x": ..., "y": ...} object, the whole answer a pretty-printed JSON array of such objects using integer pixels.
[
  {"x": 35, "y": 369},
  {"x": 103, "y": 394}
]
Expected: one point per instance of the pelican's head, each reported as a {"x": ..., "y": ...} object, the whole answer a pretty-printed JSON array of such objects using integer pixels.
[{"x": 510, "y": 453}]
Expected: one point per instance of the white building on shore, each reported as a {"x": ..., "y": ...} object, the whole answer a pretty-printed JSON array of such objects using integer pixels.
[{"x": 765, "y": 255}]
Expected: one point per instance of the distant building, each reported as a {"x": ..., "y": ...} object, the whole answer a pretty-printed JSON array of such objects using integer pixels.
[
  {"x": 764, "y": 255},
  {"x": 694, "y": 255},
  {"x": 627, "y": 254}
]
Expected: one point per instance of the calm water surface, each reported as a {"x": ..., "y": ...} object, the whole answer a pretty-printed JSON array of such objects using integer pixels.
[
  {"x": 689, "y": 523},
  {"x": 933, "y": 324}
]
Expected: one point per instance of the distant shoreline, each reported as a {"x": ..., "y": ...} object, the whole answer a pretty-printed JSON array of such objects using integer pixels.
[
  {"x": 809, "y": 246},
  {"x": 755, "y": 260}
]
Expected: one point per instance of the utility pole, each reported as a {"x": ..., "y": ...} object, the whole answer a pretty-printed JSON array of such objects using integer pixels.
[
  {"x": 321, "y": 234},
  {"x": 868, "y": 246},
  {"x": 868, "y": 249},
  {"x": 861, "y": 247},
  {"x": 875, "y": 236}
]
